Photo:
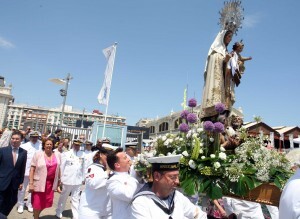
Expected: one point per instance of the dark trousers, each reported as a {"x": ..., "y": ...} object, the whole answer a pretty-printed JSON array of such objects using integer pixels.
[{"x": 8, "y": 199}]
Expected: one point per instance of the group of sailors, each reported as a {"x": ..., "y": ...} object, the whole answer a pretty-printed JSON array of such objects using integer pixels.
[{"x": 102, "y": 184}]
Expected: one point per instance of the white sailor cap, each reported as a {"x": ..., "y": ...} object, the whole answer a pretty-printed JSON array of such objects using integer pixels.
[
  {"x": 109, "y": 147},
  {"x": 34, "y": 134},
  {"x": 77, "y": 141},
  {"x": 132, "y": 145},
  {"x": 105, "y": 140},
  {"x": 165, "y": 163}
]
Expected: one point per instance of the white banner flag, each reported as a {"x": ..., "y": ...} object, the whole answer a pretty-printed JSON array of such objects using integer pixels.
[{"x": 109, "y": 53}]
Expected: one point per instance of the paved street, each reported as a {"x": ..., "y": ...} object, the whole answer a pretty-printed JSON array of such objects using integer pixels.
[{"x": 48, "y": 213}]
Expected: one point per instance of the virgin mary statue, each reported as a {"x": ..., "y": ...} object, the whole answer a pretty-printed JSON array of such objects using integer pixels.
[{"x": 214, "y": 75}]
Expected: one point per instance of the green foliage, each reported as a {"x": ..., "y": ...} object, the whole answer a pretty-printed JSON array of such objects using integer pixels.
[
  {"x": 196, "y": 149},
  {"x": 206, "y": 167},
  {"x": 214, "y": 191},
  {"x": 244, "y": 184}
]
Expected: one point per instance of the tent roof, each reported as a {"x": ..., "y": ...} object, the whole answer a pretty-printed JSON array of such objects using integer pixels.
[{"x": 284, "y": 129}]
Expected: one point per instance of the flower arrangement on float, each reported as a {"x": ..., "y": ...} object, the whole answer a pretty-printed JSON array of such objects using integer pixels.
[{"x": 206, "y": 167}]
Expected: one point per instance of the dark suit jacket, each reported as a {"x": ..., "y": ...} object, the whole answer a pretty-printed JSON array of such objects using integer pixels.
[{"x": 10, "y": 173}]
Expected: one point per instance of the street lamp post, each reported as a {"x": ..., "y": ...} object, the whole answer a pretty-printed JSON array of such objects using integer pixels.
[
  {"x": 63, "y": 93},
  {"x": 82, "y": 117}
]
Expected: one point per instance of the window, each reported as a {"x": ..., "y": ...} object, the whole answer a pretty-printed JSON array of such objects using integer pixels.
[
  {"x": 163, "y": 127},
  {"x": 177, "y": 122},
  {"x": 152, "y": 129}
]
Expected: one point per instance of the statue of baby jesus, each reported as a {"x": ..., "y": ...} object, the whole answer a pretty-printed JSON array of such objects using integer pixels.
[{"x": 236, "y": 63}]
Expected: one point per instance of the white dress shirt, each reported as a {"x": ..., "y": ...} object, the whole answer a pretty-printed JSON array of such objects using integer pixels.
[{"x": 121, "y": 188}]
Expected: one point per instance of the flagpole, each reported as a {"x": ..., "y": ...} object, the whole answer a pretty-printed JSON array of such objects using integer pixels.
[
  {"x": 104, "y": 124},
  {"x": 187, "y": 87},
  {"x": 187, "y": 93},
  {"x": 112, "y": 70}
]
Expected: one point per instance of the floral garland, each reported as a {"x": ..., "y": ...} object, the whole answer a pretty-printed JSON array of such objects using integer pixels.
[{"x": 206, "y": 167}]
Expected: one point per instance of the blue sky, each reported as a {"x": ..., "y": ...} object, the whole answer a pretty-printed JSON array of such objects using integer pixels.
[{"x": 162, "y": 47}]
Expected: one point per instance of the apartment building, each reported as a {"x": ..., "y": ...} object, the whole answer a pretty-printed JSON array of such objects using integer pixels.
[{"x": 20, "y": 114}]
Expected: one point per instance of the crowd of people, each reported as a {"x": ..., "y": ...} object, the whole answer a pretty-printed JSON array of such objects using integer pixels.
[{"x": 102, "y": 182}]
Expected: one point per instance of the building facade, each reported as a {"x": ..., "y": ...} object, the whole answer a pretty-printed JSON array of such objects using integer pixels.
[
  {"x": 170, "y": 123},
  {"x": 5, "y": 99},
  {"x": 18, "y": 115}
]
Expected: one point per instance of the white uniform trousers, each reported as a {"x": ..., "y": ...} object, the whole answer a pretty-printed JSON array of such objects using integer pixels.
[
  {"x": 82, "y": 216},
  {"x": 21, "y": 194},
  {"x": 274, "y": 211},
  {"x": 75, "y": 195}
]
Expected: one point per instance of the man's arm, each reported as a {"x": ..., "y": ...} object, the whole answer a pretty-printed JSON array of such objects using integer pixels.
[
  {"x": 23, "y": 167},
  {"x": 1, "y": 151},
  {"x": 96, "y": 177},
  {"x": 123, "y": 190},
  {"x": 190, "y": 210},
  {"x": 140, "y": 209},
  {"x": 63, "y": 163}
]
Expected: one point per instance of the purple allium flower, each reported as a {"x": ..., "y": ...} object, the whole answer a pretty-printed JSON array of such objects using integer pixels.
[
  {"x": 192, "y": 102},
  {"x": 208, "y": 126},
  {"x": 184, "y": 114},
  {"x": 219, "y": 127},
  {"x": 219, "y": 107},
  {"x": 183, "y": 127},
  {"x": 192, "y": 118}
]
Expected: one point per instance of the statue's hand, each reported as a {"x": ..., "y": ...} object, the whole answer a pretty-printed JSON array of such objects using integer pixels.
[{"x": 227, "y": 57}]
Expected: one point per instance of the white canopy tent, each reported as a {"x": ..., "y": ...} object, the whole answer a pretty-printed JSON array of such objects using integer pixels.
[{"x": 296, "y": 140}]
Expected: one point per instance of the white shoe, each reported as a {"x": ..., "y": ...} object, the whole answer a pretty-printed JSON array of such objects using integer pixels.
[
  {"x": 29, "y": 208},
  {"x": 58, "y": 216},
  {"x": 20, "y": 209}
]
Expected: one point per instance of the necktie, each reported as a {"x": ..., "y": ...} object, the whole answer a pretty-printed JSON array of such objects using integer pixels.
[{"x": 14, "y": 152}]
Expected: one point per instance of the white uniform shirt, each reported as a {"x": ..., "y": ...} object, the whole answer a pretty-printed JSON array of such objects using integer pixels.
[
  {"x": 243, "y": 209},
  {"x": 289, "y": 205},
  {"x": 121, "y": 188},
  {"x": 88, "y": 159},
  {"x": 72, "y": 167},
  {"x": 94, "y": 200},
  {"x": 31, "y": 149},
  {"x": 143, "y": 207}
]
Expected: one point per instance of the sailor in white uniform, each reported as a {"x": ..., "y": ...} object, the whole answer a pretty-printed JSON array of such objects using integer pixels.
[
  {"x": 94, "y": 201},
  {"x": 243, "y": 209},
  {"x": 88, "y": 154},
  {"x": 121, "y": 186},
  {"x": 289, "y": 205},
  {"x": 72, "y": 177},
  {"x": 160, "y": 199},
  {"x": 274, "y": 211},
  {"x": 131, "y": 151},
  {"x": 33, "y": 145}
]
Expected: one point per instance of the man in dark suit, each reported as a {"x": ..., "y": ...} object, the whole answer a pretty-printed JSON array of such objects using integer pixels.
[{"x": 12, "y": 169}]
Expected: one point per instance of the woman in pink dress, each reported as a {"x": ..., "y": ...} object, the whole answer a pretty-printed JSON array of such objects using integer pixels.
[{"x": 44, "y": 177}]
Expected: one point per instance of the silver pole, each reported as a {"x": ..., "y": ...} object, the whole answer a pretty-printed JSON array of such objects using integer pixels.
[
  {"x": 64, "y": 94},
  {"x": 82, "y": 117}
]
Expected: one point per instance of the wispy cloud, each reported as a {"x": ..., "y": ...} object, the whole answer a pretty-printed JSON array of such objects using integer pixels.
[
  {"x": 5, "y": 43},
  {"x": 251, "y": 20}
]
